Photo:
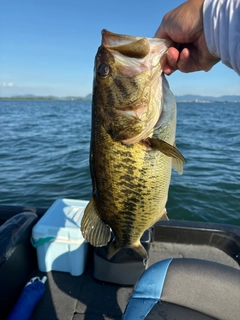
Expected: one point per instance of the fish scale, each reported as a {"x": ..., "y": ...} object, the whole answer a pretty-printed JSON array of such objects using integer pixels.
[
  {"x": 123, "y": 192},
  {"x": 132, "y": 143}
]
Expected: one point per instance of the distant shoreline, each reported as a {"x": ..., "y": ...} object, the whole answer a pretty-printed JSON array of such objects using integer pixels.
[
  {"x": 45, "y": 98},
  {"x": 184, "y": 98}
]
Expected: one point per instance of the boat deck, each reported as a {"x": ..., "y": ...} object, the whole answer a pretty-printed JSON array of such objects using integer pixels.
[
  {"x": 84, "y": 298},
  {"x": 70, "y": 297}
]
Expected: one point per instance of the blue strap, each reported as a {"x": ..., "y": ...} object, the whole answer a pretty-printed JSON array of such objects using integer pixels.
[
  {"x": 40, "y": 241},
  {"x": 147, "y": 291}
]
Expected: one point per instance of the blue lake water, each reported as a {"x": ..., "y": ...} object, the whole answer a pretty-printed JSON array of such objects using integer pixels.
[{"x": 44, "y": 150}]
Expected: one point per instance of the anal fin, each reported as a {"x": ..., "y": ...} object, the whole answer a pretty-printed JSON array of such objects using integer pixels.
[
  {"x": 113, "y": 249},
  {"x": 164, "y": 216},
  {"x": 93, "y": 229}
]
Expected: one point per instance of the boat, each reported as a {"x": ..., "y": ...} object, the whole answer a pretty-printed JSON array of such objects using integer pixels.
[{"x": 193, "y": 272}]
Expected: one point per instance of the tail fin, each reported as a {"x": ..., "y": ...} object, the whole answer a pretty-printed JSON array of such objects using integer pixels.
[
  {"x": 138, "y": 247},
  {"x": 113, "y": 249}
]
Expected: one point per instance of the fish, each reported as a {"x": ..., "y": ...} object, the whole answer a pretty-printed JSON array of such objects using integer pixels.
[{"x": 132, "y": 148}]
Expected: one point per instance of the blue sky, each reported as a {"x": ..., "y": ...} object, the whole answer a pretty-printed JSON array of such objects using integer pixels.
[{"x": 47, "y": 47}]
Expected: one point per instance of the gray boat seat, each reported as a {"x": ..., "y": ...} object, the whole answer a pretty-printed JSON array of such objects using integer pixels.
[
  {"x": 17, "y": 257},
  {"x": 186, "y": 289}
]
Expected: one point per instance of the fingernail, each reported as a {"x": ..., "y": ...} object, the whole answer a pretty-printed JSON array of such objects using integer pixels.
[{"x": 168, "y": 70}]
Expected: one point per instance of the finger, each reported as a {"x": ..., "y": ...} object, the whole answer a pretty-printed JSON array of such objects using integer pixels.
[
  {"x": 170, "y": 64},
  {"x": 173, "y": 57},
  {"x": 167, "y": 69},
  {"x": 186, "y": 62}
]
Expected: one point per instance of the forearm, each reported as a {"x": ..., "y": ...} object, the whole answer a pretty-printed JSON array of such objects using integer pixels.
[{"x": 222, "y": 30}]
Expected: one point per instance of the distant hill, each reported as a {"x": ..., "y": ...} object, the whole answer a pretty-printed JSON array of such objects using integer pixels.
[
  {"x": 88, "y": 97},
  {"x": 184, "y": 98},
  {"x": 198, "y": 98}
]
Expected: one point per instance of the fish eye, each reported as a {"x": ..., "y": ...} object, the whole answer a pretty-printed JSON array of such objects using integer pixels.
[{"x": 103, "y": 70}]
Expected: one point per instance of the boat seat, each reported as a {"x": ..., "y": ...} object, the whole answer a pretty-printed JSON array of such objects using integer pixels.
[
  {"x": 186, "y": 289},
  {"x": 17, "y": 257}
]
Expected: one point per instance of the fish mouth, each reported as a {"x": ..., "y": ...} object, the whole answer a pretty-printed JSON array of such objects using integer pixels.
[
  {"x": 133, "y": 47},
  {"x": 134, "y": 57},
  {"x": 110, "y": 39},
  {"x": 148, "y": 52}
]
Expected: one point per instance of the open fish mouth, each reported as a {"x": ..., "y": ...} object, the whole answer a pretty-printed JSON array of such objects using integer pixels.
[{"x": 137, "y": 63}]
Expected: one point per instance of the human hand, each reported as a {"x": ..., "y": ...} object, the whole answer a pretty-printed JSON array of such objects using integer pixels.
[{"x": 184, "y": 25}]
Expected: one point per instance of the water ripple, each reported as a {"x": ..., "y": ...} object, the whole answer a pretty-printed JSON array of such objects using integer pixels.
[{"x": 45, "y": 149}]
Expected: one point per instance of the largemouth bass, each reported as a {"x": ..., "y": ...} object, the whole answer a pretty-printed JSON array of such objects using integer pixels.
[{"x": 132, "y": 144}]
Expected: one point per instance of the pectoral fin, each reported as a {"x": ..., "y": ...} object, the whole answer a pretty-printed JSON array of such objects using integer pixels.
[
  {"x": 93, "y": 229},
  {"x": 170, "y": 151}
]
